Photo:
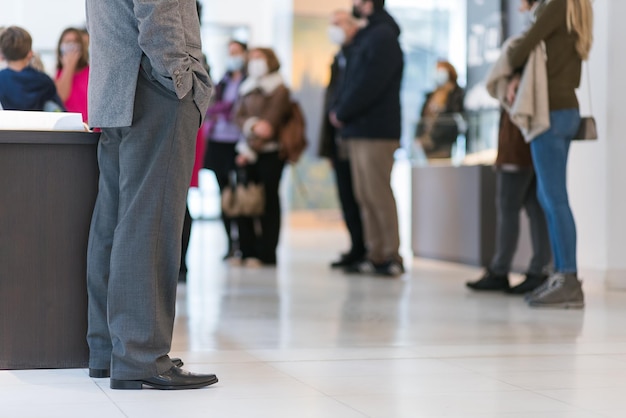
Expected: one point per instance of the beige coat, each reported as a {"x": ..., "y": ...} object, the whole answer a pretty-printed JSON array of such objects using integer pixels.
[{"x": 531, "y": 109}]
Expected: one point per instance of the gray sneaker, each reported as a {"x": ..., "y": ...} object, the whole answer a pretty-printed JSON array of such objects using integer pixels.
[
  {"x": 533, "y": 294},
  {"x": 563, "y": 290}
]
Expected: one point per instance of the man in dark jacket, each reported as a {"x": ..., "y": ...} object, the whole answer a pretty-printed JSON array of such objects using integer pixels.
[
  {"x": 342, "y": 30},
  {"x": 368, "y": 113}
]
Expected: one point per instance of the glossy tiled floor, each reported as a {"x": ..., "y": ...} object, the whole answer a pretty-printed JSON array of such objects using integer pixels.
[{"x": 303, "y": 341}]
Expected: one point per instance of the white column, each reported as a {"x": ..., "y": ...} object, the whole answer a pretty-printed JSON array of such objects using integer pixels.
[{"x": 597, "y": 172}]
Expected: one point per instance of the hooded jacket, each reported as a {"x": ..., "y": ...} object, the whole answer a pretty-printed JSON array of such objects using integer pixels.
[
  {"x": 28, "y": 89},
  {"x": 368, "y": 103}
]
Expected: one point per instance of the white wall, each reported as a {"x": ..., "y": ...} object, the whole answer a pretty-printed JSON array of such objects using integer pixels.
[
  {"x": 597, "y": 170},
  {"x": 270, "y": 23},
  {"x": 44, "y": 19}
]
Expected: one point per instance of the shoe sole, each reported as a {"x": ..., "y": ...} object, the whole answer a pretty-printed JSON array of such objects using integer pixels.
[
  {"x": 104, "y": 373},
  {"x": 478, "y": 289},
  {"x": 139, "y": 384},
  {"x": 561, "y": 305},
  {"x": 99, "y": 373}
]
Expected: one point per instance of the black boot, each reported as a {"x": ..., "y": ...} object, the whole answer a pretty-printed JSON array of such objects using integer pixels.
[
  {"x": 531, "y": 282},
  {"x": 490, "y": 282}
]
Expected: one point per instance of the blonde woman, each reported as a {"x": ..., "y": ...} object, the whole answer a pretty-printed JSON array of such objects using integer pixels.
[{"x": 566, "y": 28}]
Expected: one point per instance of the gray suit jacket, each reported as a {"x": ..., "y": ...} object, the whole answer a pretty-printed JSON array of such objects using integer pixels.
[{"x": 163, "y": 36}]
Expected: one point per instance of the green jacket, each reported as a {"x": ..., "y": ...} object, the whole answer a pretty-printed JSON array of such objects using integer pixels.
[{"x": 563, "y": 63}]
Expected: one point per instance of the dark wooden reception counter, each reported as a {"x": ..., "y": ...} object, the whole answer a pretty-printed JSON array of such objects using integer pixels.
[
  {"x": 48, "y": 187},
  {"x": 454, "y": 216}
]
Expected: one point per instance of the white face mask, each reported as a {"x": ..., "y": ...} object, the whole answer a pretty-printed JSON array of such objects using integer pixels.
[
  {"x": 336, "y": 35},
  {"x": 235, "y": 62},
  {"x": 257, "y": 68},
  {"x": 441, "y": 77},
  {"x": 69, "y": 47}
]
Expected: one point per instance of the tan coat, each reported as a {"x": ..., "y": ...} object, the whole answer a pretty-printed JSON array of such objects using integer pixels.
[{"x": 267, "y": 99}]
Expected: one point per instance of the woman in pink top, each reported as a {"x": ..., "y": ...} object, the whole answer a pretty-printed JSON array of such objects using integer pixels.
[{"x": 72, "y": 75}]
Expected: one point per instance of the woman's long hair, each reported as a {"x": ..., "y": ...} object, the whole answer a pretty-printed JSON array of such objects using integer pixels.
[{"x": 580, "y": 21}]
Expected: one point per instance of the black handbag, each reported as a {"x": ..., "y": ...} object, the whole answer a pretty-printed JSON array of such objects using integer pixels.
[{"x": 587, "y": 130}]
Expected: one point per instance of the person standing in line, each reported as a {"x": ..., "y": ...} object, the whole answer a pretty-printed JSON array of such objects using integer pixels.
[
  {"x": 343, "y": 28},
  {"x": 221, "y": 130},
  {"x": 516, "y": 188},
  {"x": 262, "y": 110},
  {"x": 72, "y": 76},
  {"x": 148, "y": 93},
  {"x": 368, "y": 114},
  {"x": 438, "y": 127},
  {"x": 566, "y": 27}
]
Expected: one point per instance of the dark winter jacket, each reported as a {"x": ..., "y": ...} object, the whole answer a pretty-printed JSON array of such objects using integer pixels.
[
  {"x": 445, "y": 128},
  {"x": 28, "y": 89},
  {"x": 369, "y": 101},
  {"x": 328, "y": 146}
]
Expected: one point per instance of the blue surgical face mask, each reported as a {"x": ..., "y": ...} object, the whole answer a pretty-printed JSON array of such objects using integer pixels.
[{"x": 235, "y": 63}]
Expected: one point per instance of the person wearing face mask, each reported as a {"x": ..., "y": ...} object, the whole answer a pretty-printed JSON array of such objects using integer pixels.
[
  {"x": 565, "y": 27},
  {"x": 221, "y": 130},
  {"x": 516, "y": 189},
  {"x": 263, "y": 108},
  {"x": 342, "y": 30},
  {"x": 72, "y": 76},
  {"x": 438, "y": 127},
  {"x": 367, "y": 113}
]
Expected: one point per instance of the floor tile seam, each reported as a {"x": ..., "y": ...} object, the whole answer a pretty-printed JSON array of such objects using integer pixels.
[
  {"x": 337, "y": 360},
  {"x": 221, "y": 398},
  {"x": 47, "y": 385},
  {"x": 326, "y": 395},
  {"x": 539, "y": 392},
  {"x": 531, "y": 356},
  {"x": 490, "y": 374},
  {"x": 111, "y": 400}
]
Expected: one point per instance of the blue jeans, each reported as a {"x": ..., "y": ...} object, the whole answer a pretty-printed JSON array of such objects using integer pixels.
[{"x": 550, "y": 151}]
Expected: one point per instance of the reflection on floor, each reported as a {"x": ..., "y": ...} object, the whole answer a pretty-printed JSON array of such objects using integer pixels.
[{"x": 303, "y": 341}]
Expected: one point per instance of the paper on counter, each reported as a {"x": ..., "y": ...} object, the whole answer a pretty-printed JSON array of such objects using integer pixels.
[{"x": 18, "y": 120}]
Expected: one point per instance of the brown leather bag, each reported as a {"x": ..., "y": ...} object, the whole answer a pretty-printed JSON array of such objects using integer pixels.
[
  {"x": 292, "y": 136},
  {"x": 243, "y": 198}
]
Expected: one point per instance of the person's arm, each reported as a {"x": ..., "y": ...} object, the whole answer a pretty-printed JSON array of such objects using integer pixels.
[
  {"x": 162, "y": 39},
  {"x": 368, "y": 83},
  {"x": 550, "y": 19},
  {"x": 65, "y": 77},
  {"x": 275, "y": 111}
]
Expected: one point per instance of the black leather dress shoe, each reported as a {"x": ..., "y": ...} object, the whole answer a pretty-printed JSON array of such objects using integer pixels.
[
  {"x": 103, "y": 373},
  {"x": 490, "y": 282},
  {"x": 346, "y": 260},
  {"x": 173, "y": 379},
  {"x": 531, "y": 282}
]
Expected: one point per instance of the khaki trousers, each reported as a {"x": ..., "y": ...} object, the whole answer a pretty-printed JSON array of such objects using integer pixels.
[{"x": 371, "y": 163}]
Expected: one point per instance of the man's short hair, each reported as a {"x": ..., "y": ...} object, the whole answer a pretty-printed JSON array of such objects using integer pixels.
[
  {"x": 15, "y": 43},
  {"x": 378, "y": 5}
]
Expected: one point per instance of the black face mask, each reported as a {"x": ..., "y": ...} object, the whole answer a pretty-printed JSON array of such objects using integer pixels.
[{"x": 356, "y": 12}]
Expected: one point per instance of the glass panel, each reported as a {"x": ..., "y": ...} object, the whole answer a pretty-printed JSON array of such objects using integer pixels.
[{"x": 431, "y": 31}]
